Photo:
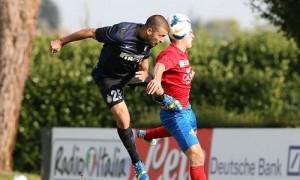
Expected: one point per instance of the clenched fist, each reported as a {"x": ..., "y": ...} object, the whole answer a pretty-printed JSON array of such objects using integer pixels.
[{"x": 55, "y": 45}]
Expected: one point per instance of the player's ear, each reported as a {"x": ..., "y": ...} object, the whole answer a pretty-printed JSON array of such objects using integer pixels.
[{"x": 149, "y": 31}]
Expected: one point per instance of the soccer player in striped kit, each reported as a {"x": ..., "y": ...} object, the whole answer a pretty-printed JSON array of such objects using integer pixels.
[{"x": 124, "y": 56}]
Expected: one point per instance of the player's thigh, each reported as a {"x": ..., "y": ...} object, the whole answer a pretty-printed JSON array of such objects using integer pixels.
[
  {"x": 111, "y": 90},
  {"x": 193, "y": 119},
  {"x": 113, "y": 97},
  {"x": 112, "y": 93},
  {"x": 178, "y": 124}
]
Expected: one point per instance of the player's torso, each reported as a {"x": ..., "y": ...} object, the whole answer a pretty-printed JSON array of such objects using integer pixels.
[
  {"x": 177, "y": 80},
  {"x": 120, "y": 59}
]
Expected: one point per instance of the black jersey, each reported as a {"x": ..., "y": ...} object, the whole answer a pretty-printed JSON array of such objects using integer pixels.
[{"x": 121, "y": 52}]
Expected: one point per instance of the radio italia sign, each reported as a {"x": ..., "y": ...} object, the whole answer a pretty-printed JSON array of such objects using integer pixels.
[{"x": 91, "y": 154}]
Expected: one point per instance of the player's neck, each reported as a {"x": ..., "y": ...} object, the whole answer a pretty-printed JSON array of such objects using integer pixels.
[
  {"x": 180, "y": 46},
  {"x": 142, "y": 33}
]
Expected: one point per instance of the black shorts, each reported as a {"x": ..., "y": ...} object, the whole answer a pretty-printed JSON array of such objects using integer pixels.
[{"x": 111, "y": 89}]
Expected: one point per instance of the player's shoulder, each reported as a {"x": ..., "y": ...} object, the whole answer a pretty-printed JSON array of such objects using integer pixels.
[
  {"x": 125, "y": 30},
  {"x": 168, "y": 52},
  {"x": 126, "y": 25}
]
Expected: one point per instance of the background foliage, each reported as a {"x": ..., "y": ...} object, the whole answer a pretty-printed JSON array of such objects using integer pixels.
[{"x": 284, "y": 14}]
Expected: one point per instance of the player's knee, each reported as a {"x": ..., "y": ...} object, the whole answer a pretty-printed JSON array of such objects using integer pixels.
[
  {"x": 196, "y": 156},
  {"x": 121, "y": 114}
]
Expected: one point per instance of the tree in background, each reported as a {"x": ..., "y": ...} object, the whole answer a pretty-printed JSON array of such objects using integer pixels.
[
  {"x": 284, "y": 14},
  {"x": 17, "y": 30},
  {"x": 223, "y": 29},
  {"x": 49, "y": 16}
]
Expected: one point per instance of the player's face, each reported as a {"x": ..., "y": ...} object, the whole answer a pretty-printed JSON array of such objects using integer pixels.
[
  {"x": 189, "y": 39},
  {"x": 156, "y": 36}
]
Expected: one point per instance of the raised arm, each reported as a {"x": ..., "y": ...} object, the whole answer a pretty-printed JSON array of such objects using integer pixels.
[{"x": 57, "y": 44}]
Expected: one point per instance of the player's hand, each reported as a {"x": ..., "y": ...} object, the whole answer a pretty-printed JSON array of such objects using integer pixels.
[
  {"x": 153, "y": 86},
  {"x": 141, "y": 75},
  {"x": 193, "y": 74},
  {"x": 55, "y": 45}
]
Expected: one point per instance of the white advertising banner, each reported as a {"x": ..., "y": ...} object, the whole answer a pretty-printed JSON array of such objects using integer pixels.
[
  {"x": 231, "y": 154},
  {"x": 255, "y": 154},
  {"x": 89, "y": 154}
]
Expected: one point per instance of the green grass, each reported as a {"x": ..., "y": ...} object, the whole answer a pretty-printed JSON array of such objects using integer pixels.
[{"x": 9, "y": 176}]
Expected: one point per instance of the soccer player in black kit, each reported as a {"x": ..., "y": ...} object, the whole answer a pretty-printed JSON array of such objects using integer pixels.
[{"x": 124, "y": 56}]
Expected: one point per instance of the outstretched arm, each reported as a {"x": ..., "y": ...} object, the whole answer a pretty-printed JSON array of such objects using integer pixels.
[{"x": 57, "y": 44}]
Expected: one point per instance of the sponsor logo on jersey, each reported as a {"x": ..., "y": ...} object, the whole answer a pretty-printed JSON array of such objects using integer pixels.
[
  {"x": 188, "y": 76},
  {"x": 131, "y": 57},
  {"x": 184, "y": 63}
]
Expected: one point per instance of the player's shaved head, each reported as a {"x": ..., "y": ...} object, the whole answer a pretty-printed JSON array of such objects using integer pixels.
[
  {"x": 157, "y": 22},
  {"x": 155, "y": 30}
]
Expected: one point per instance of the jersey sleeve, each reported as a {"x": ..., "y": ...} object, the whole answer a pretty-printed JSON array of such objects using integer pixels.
[
  {"x": 166, "y": 60},
  {"x": 108, "y": 34}
]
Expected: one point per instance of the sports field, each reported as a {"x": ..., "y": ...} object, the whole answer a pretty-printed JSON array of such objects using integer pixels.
[{"x": 10, "y": 176}]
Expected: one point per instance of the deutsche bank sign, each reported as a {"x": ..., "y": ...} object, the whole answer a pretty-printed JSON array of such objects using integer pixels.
[{"x": 255, "y": 154}]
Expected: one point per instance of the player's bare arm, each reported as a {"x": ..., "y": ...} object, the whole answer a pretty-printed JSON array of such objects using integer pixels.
[
  {"x": 57, "y": 44},
  {"x": 142, "y": 74},
  {"x": 155, "y": 83}
]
